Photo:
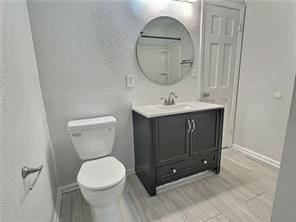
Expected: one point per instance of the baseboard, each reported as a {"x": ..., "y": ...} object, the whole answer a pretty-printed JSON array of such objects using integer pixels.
[
  {"x": 56, "y": 216},
  {"x": 63, "y": 190},
  {"x": 68, "y": 188},
  {"x": 130, "y": 172},
  {"x": 256, "y": 155}
]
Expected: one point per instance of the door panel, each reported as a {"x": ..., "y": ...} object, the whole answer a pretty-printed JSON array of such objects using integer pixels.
[
  {"x": 213, "y": 64},
  {"x": 226, "y": 66},
  {"x": 216, "y": 24},
  {"x": 173, "y": 139},
  {"x": 220, "y": 49},
  {"x": 205, "y": 134}
]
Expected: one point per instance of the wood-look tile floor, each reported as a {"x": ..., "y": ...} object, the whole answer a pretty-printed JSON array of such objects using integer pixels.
[{"x": 242, "y": 192}]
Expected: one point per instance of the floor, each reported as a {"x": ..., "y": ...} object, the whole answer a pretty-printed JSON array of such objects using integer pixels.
[{"x": 242, "y": 192}]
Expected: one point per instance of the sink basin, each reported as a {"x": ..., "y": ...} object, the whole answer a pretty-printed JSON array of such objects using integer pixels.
[{"x": 175, "y": 107}]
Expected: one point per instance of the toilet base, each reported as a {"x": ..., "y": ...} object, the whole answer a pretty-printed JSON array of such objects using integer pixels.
[{"x": 110, "y": 214}]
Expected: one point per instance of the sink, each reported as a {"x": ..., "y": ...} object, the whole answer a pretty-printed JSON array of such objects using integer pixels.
[{"x": 175, "y": 107}]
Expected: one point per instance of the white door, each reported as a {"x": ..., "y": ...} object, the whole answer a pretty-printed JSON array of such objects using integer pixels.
[{"x": 222, "y": 43}]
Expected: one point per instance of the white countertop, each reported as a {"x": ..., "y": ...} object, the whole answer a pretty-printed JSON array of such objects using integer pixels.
[{"x": 151, "y": 111}]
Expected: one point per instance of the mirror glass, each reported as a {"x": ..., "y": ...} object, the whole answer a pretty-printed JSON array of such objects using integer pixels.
[{"x": 165, "y": 51}]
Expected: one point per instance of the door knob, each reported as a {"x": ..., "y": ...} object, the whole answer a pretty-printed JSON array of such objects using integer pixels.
[{"x": 206, "y": 94}]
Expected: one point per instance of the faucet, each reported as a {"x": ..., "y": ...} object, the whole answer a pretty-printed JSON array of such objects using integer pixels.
[{"x": 170, "y": 100}]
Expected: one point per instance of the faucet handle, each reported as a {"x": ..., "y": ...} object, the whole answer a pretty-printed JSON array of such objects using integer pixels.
[
  {"x": 165, "y": 101},
  {"x": 171, "y": 100},
  {"x": 174, "y": 94}
]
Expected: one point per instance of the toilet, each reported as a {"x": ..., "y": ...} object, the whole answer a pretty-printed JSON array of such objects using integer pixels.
[{"x": 101, "y": 177}]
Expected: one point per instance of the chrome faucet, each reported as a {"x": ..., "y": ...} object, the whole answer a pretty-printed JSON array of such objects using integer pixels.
[{"x": 170, "y": 100}]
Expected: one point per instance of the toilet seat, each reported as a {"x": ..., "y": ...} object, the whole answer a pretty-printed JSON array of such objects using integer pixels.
[{"x": 101, "y": 174}]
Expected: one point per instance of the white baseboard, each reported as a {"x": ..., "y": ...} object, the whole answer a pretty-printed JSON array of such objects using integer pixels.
[
  {"x": 256, "y": 155},
  {"x": 62, "y": 190},
  {"x": 68, "y": 188},
  {"x": 130, "y": 172},
  {"x": 56, "y": 216}
]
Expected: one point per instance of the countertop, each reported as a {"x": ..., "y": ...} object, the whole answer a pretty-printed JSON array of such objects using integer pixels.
[{"x": 151, "y": 111}]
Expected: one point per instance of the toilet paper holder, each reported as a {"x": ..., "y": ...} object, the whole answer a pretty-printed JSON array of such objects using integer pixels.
[{"x": 26, "y": 171}]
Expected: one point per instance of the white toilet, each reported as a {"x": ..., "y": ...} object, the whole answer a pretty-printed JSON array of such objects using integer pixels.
[{"x": 101, "y": 177}]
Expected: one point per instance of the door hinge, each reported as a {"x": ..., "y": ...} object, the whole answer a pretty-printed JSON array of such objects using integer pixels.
[{"x": 240, "y": 27}]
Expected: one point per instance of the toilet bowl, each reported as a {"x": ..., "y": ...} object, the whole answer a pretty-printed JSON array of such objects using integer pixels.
[
  {"x": 101, "y": 183},
  {"x": 101, "y": 177}
]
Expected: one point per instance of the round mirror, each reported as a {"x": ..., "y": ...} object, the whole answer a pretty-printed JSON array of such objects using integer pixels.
[{"x": 165, "y": 51}]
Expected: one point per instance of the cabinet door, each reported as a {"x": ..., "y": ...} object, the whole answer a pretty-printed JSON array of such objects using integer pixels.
[
  {"x": 172, "y": 139},
  {"x": 204, "y": 136}
]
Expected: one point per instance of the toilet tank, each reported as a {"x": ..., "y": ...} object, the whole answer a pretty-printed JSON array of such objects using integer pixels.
[{"x": 93, "y": 138}]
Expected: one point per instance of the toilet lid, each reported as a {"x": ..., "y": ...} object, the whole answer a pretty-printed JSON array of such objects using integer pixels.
[{"x": 101, "y": 174}]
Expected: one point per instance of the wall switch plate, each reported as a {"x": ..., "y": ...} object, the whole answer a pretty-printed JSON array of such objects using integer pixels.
[{"x": 130, "y": 81}]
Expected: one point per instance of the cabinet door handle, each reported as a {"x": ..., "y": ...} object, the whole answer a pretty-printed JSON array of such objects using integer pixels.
[
  {"x": 189, "y": 126},
  {"x": 174, "y": 170},
  {"x": 193, "y": 126}
]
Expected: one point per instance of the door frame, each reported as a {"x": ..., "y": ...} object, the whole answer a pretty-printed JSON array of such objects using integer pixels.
[{"x": 227, "y": 4}]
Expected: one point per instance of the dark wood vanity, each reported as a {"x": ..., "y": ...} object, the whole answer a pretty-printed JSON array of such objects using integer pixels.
[
  {"x": 173, "y": 141},
  {"x": 171, "y": 147}
]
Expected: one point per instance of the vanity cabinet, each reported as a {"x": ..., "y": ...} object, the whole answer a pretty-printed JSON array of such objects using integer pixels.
[{"x": 168, "y": 148}]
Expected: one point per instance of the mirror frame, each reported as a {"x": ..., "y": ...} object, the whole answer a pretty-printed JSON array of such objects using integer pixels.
[{"x": 193, "y": 54}]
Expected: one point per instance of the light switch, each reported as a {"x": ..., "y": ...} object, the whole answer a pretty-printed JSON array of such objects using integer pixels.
[{"x": 130, "y": 81}]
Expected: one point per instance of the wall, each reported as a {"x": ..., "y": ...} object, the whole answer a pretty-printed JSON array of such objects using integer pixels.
[
  {"x": 267, "y": 66},
  {"x": 84, "y": 50},
  {"x": 23, "y": 130},
  {"x": 285, "y": 196}
]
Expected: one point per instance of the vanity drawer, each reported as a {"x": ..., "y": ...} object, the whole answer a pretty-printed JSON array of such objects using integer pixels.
[
  {"x": 175, "y": 169},
  {"x": 201, "y": 160},
  {"x": 205, "y": 158}
]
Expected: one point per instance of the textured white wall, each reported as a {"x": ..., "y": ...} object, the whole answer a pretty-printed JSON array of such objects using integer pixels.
[
  {"x": 285, "y": 196},
  {"x": 23, "y": 129},
  {"x": 84, "y": 50},
  {"x": 267, "y": 66}
]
